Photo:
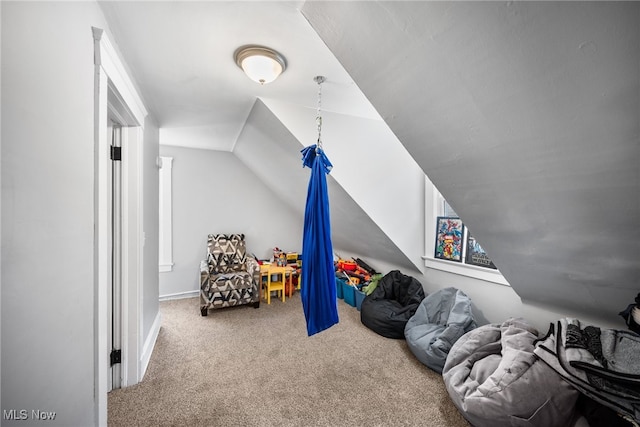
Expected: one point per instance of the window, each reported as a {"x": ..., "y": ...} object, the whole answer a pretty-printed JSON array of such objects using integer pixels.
[
  {"x": 437, "y": 206},
  {"x": 165, "y": 259}
]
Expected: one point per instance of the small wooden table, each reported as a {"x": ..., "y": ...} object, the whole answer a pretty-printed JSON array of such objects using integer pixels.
[{"x": 271, "y": 270}]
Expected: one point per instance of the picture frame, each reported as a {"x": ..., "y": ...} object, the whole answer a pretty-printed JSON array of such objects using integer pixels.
[
  {"x": 449, "y": 238},
  {"x": 476, "y": 255}
]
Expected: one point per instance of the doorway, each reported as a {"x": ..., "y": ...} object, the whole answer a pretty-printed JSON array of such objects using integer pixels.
[
  {"x": 119, "y": 118},
  {"x": 115, "y": 243},
  {"x": 124, "y": 189}
]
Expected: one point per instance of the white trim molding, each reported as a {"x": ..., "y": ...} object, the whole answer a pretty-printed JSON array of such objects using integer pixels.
[
  {"x": 105, "y": 55},
  {"x": 180, "y": 295},
  {"x": 165, "y": 268},
  {"x": 165, "y": 242},
  {"x": 480, "y": 273},
  {"x": 149, "y": 344},
  {"x": 132, "y": 194},
  {"x": 115, "y": 94}
]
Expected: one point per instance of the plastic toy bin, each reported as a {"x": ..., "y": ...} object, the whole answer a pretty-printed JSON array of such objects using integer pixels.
[
  {"x": 339, "y": 293},
  {"x": 349, "y": 293},
  {"x": 359, "y": 298}
]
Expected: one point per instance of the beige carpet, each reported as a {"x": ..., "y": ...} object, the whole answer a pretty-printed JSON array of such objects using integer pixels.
[{"x": 243, "y": 366}]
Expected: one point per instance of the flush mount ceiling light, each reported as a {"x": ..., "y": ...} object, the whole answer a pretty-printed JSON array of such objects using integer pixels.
[{"x": 260, "y": 63}]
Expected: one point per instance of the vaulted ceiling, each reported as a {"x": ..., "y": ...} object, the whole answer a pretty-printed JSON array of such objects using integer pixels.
[
  {"x": 181, "y": 56},
  {"x": 525, "y": 115}
]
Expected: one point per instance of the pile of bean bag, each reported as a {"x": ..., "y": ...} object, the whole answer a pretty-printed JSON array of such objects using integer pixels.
[
  {"x": 440, "y": 320},
  {"x": 389, "y": 307},
  {"x": 495, "y": 379}
]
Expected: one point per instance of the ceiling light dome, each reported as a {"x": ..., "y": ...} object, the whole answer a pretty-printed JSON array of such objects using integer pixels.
[{"x": 261, "y": 64}]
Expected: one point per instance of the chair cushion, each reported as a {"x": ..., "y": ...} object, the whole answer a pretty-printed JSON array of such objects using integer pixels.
[
  {"x": 229, "y": 281},
  {"x": 229, "y": 289},
  {"x": 227, "y": 253}
]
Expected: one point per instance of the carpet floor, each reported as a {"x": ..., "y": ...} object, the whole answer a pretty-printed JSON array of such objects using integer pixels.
[{"x": 243, "y": 366}]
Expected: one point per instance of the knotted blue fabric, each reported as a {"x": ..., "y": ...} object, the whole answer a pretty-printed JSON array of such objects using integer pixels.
[{"x": 318, "y": 290}]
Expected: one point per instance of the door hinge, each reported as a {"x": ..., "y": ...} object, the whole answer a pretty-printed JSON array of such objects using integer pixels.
[
  {"x": 116, "y": 153},
  {"x": 116, "y": 357}
]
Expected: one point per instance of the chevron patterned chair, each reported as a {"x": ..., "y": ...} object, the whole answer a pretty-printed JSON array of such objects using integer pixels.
[{"x": 228, "y": 276}]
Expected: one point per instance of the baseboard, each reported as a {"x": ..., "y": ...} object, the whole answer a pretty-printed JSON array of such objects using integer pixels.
[
  {"x": 180, "y": 295},
  {"x": 149, "y": 344}
]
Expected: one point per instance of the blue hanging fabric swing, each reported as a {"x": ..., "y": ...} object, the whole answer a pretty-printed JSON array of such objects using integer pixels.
[{"x": 318, "y": 290}]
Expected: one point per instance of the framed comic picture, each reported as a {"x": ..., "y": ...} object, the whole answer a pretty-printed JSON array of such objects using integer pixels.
[
  {"x": 476, "y": 255},
  {"x": 449, "y": 238}
]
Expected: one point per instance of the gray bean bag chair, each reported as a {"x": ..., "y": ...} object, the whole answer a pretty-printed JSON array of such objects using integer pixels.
[
  {"x": 441, "y": 318},
  {"x": 495, "y": 379}
]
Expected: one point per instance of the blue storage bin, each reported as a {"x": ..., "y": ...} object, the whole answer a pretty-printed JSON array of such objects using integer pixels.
[
  {"x": 359, "y": 298},
  {"x": 349, "y": 293},
  {"x": 339, "y": 293}
]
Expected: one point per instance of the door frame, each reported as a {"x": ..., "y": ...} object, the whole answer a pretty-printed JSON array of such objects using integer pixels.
[{"x": 115, "y": 94}]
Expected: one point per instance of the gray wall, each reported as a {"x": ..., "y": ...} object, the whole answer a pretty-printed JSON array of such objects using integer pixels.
[
  {"x": 525, "y": 116},
  {"x": 0, "y": 218},
  {"x": 260, "y": 190},
  {"x": 47, "y": 209},
  {"x": 213, "y": 192},
  {"x": 150, "y": 182},
  {"x": 48, "y": 336}
]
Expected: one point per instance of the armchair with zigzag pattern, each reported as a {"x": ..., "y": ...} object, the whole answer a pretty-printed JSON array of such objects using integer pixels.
[{"x": 228, "y": 277}]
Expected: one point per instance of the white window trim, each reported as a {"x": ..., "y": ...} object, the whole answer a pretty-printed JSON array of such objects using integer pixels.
[
  {"x": 433, "y": 199},
  {"x": 165, "y": 243}
]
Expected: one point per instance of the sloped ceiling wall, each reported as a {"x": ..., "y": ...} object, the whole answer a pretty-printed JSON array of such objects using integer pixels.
[
  {"x": 269, "y": 149},
  {"x": 372, "y": 166},
  {"x": 525, "y": 115}
]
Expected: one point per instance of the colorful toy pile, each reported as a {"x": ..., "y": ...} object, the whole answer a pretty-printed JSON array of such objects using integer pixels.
[{"x": 354, "y": 280}]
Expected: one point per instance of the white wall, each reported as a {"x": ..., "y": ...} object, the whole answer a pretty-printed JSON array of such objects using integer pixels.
[
  {"x": 267, "y": 147},
  {"x": 47, "y": 209},
  {"x": 365, "y": 151},
  {"x": 48, "y": 314},
  {"x": 213, "y": 192}
]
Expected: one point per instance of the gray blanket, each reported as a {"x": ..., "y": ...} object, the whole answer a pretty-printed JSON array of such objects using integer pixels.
[{"x": 604, "y": 364}]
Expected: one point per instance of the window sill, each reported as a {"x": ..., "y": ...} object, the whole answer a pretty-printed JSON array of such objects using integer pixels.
[
  {"x": 479, "y": 273},
  {"x": 165, "y": 268}
]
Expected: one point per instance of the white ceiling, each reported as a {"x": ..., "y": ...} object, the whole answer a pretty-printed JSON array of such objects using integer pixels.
[{"x": 181, "y": 56}]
